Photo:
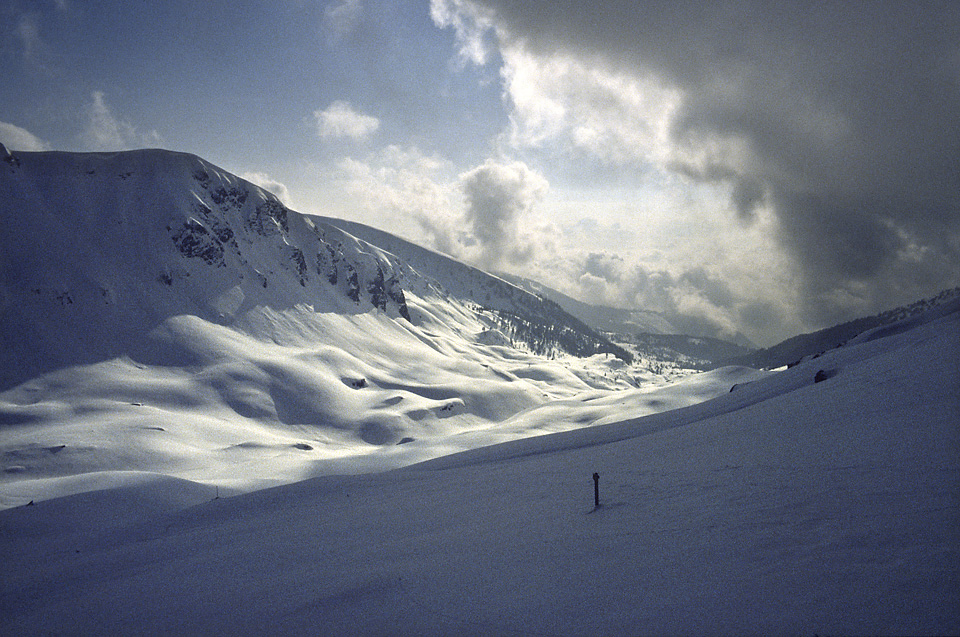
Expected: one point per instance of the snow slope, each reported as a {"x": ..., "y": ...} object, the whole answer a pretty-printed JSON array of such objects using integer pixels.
[
  {"x": 159, "y": 314},
  {"x": 785, "y": 506},
  {"x": 795, "y": 348}
]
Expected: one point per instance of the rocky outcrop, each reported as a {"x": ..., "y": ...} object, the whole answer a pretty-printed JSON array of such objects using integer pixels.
[
  {"x": 231, "y": 218},
  {"x": 269, "y": 218},
  {"x": 196, "y": 242}
]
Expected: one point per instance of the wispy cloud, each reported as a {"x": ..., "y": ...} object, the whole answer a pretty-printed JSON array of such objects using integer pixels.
[
  {"x": 271, "y": 185},
  {"x": 37, "y": 50},
  {"x": 29, "y": 35},
  {"x": 340, "y": 19},
  {"x": 105, "y": 131},
  {"x": 341, "y": 120}
]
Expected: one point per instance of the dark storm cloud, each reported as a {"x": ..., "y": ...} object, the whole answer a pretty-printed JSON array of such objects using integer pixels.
[
  {"x": 848, "y": 114},
  {"x": 713, "y": 289}
]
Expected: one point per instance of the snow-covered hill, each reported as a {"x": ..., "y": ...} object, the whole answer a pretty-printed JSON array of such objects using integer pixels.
[
  {"x": 160, "y": 314},
  {"x": 821, "y": 499},
  {"x": 793, "y": 349}
]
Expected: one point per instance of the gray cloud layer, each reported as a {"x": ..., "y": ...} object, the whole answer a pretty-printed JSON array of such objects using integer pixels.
[{"x": 846, "y": 117}]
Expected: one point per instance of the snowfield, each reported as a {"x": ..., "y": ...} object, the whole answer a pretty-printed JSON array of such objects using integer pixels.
[
  {"x": 298, "y": 393},
  {"x": 219, "y": 416},
  {"x": 161, "y": 315},
  {"x": 786, "y": 506}
]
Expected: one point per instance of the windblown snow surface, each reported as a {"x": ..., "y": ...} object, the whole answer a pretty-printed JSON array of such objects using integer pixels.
[{"x": 786, "y": 506}]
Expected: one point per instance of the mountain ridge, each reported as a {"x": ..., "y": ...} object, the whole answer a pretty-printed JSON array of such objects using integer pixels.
[
  {"x": 510, "y": 303},
  {"x": 796, "y": 348},
  {"x": 191, "y": 238}
]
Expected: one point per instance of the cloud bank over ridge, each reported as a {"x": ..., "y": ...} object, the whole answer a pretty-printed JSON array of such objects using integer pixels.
[
  {"x": 804, "y": 154},
  {"x": 841, "y": 120}
]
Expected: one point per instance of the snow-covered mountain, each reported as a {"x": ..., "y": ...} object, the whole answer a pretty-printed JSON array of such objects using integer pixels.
[
  {"x": 117, "y": 243},
  {"x": 159, "y": 313},
  {"x": 100, "y": 249}
]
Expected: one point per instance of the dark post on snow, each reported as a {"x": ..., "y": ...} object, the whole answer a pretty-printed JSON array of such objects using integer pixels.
[{"x": 596, "y": 489}]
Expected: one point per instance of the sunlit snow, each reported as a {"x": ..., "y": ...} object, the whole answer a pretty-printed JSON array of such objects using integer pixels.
[{"x": 259, "y": 466}]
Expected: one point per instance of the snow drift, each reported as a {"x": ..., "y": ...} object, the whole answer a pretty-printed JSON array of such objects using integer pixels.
[
  {"x": 785, "y": 506},
  {"x": 160, "y": 314}
]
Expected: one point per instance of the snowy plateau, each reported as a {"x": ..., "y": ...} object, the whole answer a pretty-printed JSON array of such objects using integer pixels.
[{"x": 219, "y": 416}]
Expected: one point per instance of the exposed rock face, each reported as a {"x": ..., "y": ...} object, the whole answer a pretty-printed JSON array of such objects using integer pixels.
[
  {"x": 395, "y": 294},
  {"x": 360, "y": 274},
  {"x": 227, "y": 199},
  {"x": 269, "y": 218},
  {"x": 8, "y": 157},
  {"x": 233, "y": 219},
  {"x": 196, "y": 242},
  {"x": 353, "y": 283},
  {"x": 327, "y": 263}
]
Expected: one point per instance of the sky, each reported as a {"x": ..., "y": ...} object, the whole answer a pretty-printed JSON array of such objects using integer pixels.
[{"x": 759, "y": 169}]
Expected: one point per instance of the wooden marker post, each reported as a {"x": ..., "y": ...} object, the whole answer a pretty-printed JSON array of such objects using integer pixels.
[{"x": 596, "y": 489}]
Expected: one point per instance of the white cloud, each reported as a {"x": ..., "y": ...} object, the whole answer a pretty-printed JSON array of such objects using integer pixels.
[
  {"x": 499, "y": 195},
  {"x": 772, "y": 110},
  {"x": 611, "y": 116},
  {"x": 270, "y": 184},
  {"x": 106, "y": 131},
  {"x": 470, "y": 22},
  {"x": 341, "y": 120},
  {"x": 16, "y": 138},
  {"x": 482, "y": 216}
]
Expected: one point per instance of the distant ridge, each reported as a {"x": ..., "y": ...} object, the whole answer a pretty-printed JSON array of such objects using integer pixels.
[
  {"x": 647, "y": 334},
  {"x": 538, "y": 321},
  {"x": 796, "y": 348},
  {"x": 601, "y": 317}
]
